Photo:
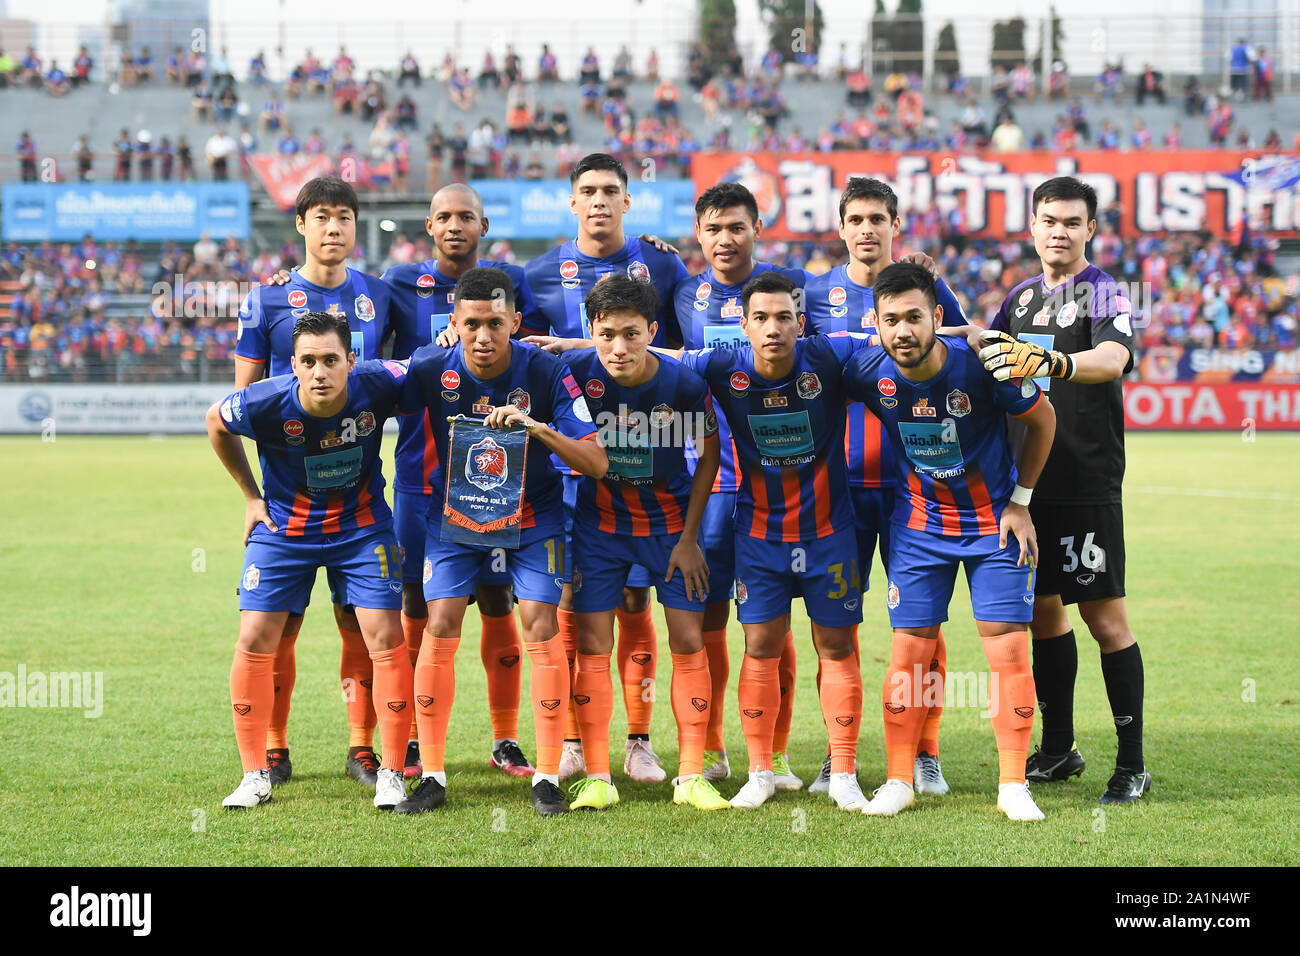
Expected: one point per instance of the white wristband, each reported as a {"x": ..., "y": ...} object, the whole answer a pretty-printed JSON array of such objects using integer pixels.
[{"x": 1021, "y": 495}]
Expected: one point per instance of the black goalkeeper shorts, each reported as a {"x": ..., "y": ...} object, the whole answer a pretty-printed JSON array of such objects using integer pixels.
[{"x": 1080, "y": 551}]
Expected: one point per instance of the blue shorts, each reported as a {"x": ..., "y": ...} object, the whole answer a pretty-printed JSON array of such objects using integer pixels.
[
  {"x": 535, "y": 568},
  {"x": 718, "y": 539},
  {"x": 771, "y": 573},
  {"x": 600, "y": 565},
  {"x": 925, "y": 570},
  {"x": 279, "y": 572},
  {"x": 410, "y": 515},
  {"x": 872, "y": 509},
  {"x": 637, "y": 577}
]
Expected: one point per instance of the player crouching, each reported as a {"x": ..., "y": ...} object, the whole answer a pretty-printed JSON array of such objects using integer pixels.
[
  {"x": 646, "y": 511},
  {"x": 318, "y": 434}
]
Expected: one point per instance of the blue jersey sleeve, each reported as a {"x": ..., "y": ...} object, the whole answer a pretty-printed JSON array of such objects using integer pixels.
[
  {"x": 672, "y": 331},
  {"x": 237, "y": 414},
  {"x": 533, "y": 321},
  {"x": 862, "y": 372},
  {"x": 1000, "y": 323},
  {"x": 421, "y": 381},
  {"x": 697, "y": 360},
  {"x": 952, "y": 311},
  {"x": 253, "y": 342},
  {"x": 570, "y": 417},
  {"x": 845, "y": 345}
]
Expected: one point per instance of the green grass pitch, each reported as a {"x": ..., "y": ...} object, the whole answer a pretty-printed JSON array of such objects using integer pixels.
[{"x": 121, "y": 556}]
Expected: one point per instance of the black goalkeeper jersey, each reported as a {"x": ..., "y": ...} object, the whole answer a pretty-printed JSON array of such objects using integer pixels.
[{"x": 1086, "y": 465}]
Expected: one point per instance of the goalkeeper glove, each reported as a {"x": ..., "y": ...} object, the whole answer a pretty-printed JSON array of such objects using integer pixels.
[{"x": 1008, "y": 357}]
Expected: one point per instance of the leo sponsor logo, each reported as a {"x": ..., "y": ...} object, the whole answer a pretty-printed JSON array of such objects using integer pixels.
[
  {"x": 887, "y": 387},
  {"x": 739, "y": 381},
  {"x": 869, "y": 319},
  {"x": 732, "y": 309},
  {"x": 775, "y": 400},
  {"x": 1042, "y": 317},
  {"x": 450, "y": 379},
  {"x": 595, "y": 388},
  {"x": 923, "y": 409},
  {"x": 482, "y": 406},
  {"x": 297, "y": 298}
]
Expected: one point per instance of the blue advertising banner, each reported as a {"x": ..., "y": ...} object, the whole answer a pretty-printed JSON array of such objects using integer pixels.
[
  {"x": 539, "y": 209},
  {"x": 65, "y": 212}
]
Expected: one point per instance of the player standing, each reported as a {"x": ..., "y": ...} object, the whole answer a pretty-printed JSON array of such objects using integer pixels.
[
  {"x": 959, "y": 501},
  {"x": 422, "y": 294},
  {"x": 326, "y": 219},
  {"x": 507, "y": 383},
  {"x": 842, "y": 301},
  {"x": 560, "y": 280},
  {"x": 646, "y": 511},
  {"x": 318, "y": 434},
  {"x": 1075, "y": 328}
]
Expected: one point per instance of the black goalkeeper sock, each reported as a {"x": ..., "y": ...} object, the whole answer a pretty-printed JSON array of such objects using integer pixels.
[
  {"x": 1122, "y": 671},
  {"x": 1056, "y": 664}
]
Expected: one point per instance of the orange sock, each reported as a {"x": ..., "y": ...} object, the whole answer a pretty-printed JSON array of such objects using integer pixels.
[
  {"x": 593, "y": 695},
  {"x": 903, "y": 714},
  {"x": 355, "y": 671},
  {"x": 568, "y": 634},
  {"x": 435, "y": 692},
  {"x": 841, "y": 698},
  {"x": 252, "y": 690},
  {"x": 1013, "y": 711},
  {"x": 930, "y": 729},
  {"x": 691, "y": 709},
  {"x": 857, "y": 667},
  {"x": 501, "y": 651},
  {"x": 638, "y": 648},
  {"x": 413, "y": 633},
  {"x": 784, "y": 714},
  {"x": 715, "y": 647},
  {"x": 285, "y": 675},
  {"x": 759, "y": 691},
  {"x": 550, "y": 693},
  {"x": 393, "y": 685}
]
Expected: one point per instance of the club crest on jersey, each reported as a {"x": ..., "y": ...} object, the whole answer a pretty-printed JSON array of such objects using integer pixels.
[
  {"x": 520, "y": 400},
  {"x": 424, "y": 285},
  {"x": 837, "y": 296},
  {"x": 1041, "y": 317},
  {"x": 428, "y": 570},
  {"x": 958, "y": 403},
  {"x": 923, "y": 409},
  {"x": 742, "y": 592},
  {"x": 638, "y": 270},
  {"x": 364, "y": 308},
  {"x": 891, "y": 596},
  {"x": 887, "y": 387},
  {"x": 450, "y": 379},
  {"x": 485, "y": 465},
  {"x": 252, "y": 577},
  {"x": 703, "y": 291},
  {"x": 482, "y": 406},
  {"x": 1065, "y": 318},
  {"x": 731, "y": 309},
  {"x": 661, "y": 416},
  {"x": 297, "y": 298},
  {"x": 595, "y": 388},
  {"x": 808, "y": 385},
  {"x": 869, "y": 319},
  {"x": 775, "y": 400},
  {"x": 739, "y": 382},
  {"x": 365, "y": 423}
]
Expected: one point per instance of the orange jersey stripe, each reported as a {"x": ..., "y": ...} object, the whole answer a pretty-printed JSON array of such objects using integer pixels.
[
  {"x": 979, "y": 496},
  {"x": 333, "y": 512},
  {"x": 790, "y": 489},
  {"x": 430, "y": 454},
  {"x": 947, "y": 508},
  {"x": 822, "y": 499},
  {"x": 757, "y": 482},
  {"x": 916, "y": 520},
  {"x": 671, "y": 510},
  {"x": 301, "y": 512},
  {"x": 632, "y": 501},
  {"x": 605, "y": 507},
  {"x": 365, "y": 517}
]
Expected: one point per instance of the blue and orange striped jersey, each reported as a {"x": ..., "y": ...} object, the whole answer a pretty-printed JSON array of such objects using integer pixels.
[
  {"x": 709, "y": 312},
  {"x": 268, "y": 314},
  {"x": 789, "y": 436},
  {"x": 536, "y": 382},
  {"x": 320, "y": 476},
  {"x": 420, "y": 309},
  {"x": 643, "y": 429},
  {"x": 952, "y": 460},
  {"x": 560, "y": 279},
  {"x": 835, "y": 303}
]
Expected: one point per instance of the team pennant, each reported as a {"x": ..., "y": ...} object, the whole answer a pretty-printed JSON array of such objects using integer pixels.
[{"x": 485, "y": 484}]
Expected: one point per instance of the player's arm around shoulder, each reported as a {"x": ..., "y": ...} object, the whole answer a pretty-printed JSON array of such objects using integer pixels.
[{"x": 570, "y": 434}]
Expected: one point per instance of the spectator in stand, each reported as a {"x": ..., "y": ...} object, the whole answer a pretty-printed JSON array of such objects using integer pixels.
[
  {"x": 287, "y": 144},
  {"x": 448, "y": 69},
  {"x": 408, "y": 69},
  {"x": 1245, "y": 140},
  {"x": 807, "y": 64},
  {"x": 547, "y": 71},
  {"x": 1220, "y": 123},
  {"x": 85, "y": 157},
  {"x": 858, "y": 85},
  {"x": 1000, "y": 84},
  {"x": 560, "y": 127},
  {"x": 346, "y": 95},
  {"x": 401, "y": 159},
  {"x": 26, "y": 150},
  {"x": 222, "y": 71},
  {"x": 623, "y": 64},
  {"x": 1067, "y": 137},
  {"x": 1240, "y": 59},
  {"x": 666, "y": 97},
  {"x": 772, "y": 65},
  {"x": 519, "y": 115},
  {"x": 1263, "y": 76},
  {"x": 382, "y": 137},
  {"x": 589, "y": 71},
  {"x": 1109, "y": 84},
  {"x": 1274, "y": 141},
  {"x": 458, "y": 146},
  {"x": 1150, "y": 83},
  {"x": 144, "y": 155},
  {"x": 697, "y": 68},
  {"x": 1022, "y": 83},
  {"x": 123, "y": 148},
  {"x": 8, "y": 69},
  {"x": 1174, "y": 138},
  {"x": 273, "y": 115},
  {"x": 343, "y": 68},
  {"x": 651, "y": 68},
  {"x": 218, "y": 151},
  {"x": 1193, "y": 98},
  {"x": 81, "y": 67},
  {"x": 30, "y": 73},
  {"x": 1008, "y": 137},
  {"x": 534, "y": 169},
  {"x": 1058, "y": 82},
  {"x": 174, "y": 67},
  {"x": 185, "y": 158},
  {"x": 1141, "y": 138},
  {"x": 247, "y": 146},
  {"x": 195, "y": 66},
  {"x": 56, "y": 81},
  {"x": 434, "y": 144},
  {"x": 1108, "y": 137},
  {"x": 201, "y": 103},
  {"x": 896, "y": 83},
  {"x": 257, "y": 70},
  {"x": 144, "y": 66},
  {"x": 488, "y": 75},
  {"x": 373, "y": 99},
  {"x": 1077, "y": 115},
  {"x": 227, "y": 103},
  {"x": 462, "y": 90},
  {"x": 314, "y": 144},
  {"x": 911, "y": 110},
  {"x": 974, "y": 123},
  {"x": 166, "y": 159},
  {"x": 512, "y": 71},
  {"x": 405, "y": 113},
  {"x": 844, "y": 64},
  {"x": 315, "y": 75}
]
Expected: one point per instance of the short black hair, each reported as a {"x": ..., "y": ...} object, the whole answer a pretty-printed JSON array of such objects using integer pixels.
[
  {"x": 598, "y": 161},
  {"x": 771, "y": 281},
  {"x": 726, "y": 196},
  {"x": 617, "y": 292},
  {"x": 1066, "y": 187},
  {"x": 863, "y": 187},
  {"x": 902, "y": 277},
  {"x": 326, "y": 191},
  {"x": 485, "y": 285},
  {"x": 323, "y": 323}
]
